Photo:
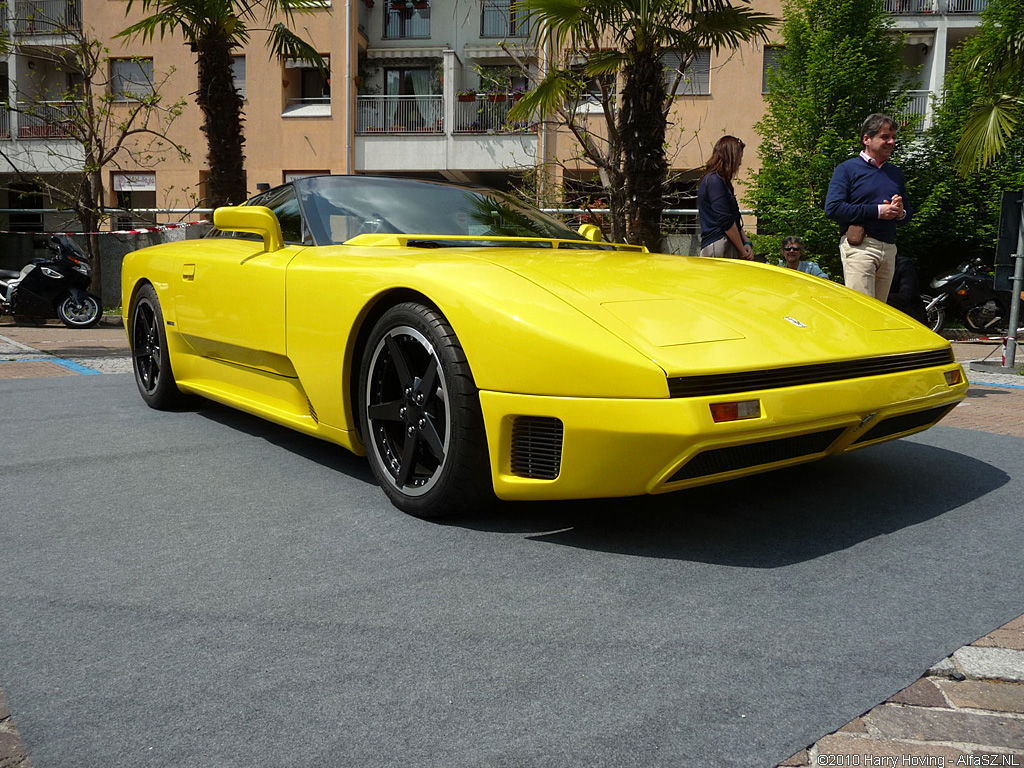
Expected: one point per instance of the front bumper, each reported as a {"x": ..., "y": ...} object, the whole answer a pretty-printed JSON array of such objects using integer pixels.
[{"x": 614, "y": 447}]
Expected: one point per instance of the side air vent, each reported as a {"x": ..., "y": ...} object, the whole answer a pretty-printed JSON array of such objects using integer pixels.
[
  {"x": 719, "y": 460},
  {"x": 536, "y": 447},
  {"x": 904, "y": 423},
  {"x": 312, "y": 411},
  {"x": 750, "y": 381}
]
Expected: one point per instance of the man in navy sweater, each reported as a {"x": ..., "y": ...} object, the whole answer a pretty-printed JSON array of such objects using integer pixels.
[{"x": 867, "y": 196}]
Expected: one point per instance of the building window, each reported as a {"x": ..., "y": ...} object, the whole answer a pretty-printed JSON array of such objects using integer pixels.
[
  {"x": 405, "y": 19},
  {"x": 307, "y": 89},
  {"x": 772, "y": 55},
  {"x": 694, "y": 80},
  {"x": 134, "y": 192},
  {"x": 131, "y": 79},
  {"x": 503, "y": 18},
  {"x": 238, "y": 74}
]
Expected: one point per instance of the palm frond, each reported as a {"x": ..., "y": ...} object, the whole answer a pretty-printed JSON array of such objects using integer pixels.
[
  {"x": 557, "y": 89},
  {"x": 285, "y": 44},
  {"x": 986, "y": 132}
]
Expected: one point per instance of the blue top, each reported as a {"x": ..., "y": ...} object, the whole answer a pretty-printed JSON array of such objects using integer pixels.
[
  {"x": 718, "y": 209},
  {"x": 807, "y": 266},
  {"x": 857, "y": 188}
]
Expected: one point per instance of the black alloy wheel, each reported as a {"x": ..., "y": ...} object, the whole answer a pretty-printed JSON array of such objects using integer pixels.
[
  {"x": 420, "y": 415},
  {"x": 80, "y": 314},
  {"x": 150, "y": 359}
]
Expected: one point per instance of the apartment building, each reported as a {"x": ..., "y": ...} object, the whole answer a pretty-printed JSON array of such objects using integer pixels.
[{"x": 419, "y": 87}]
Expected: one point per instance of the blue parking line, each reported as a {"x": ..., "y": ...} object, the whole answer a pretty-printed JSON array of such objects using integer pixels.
[{"x": 69, "y": 364}]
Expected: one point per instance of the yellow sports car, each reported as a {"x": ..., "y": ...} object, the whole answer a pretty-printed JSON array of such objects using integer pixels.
[{"x": 472, "y": 346}]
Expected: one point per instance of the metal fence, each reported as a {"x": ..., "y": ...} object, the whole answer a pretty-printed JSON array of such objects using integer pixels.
[{"x": 45, "y": 119}]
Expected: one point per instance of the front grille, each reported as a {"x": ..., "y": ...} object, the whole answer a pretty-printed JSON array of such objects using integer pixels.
[
  {"x": 904, "y": 423},
  {"x": 750, "y": 381},
  {"x": 719, "y": 460},
  {"x": 536, "y": 447}
]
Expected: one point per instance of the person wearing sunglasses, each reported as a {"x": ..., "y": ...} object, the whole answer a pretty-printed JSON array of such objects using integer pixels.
[{"x": 792, "y": 257}]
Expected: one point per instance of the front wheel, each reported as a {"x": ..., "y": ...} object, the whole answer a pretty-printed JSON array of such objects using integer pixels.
[
  {"x": 420, "y": 415},
  {"x": 150, "y": 359},
  {"x": 936, "y": 315},
  {"x": 80, "y": 314}
]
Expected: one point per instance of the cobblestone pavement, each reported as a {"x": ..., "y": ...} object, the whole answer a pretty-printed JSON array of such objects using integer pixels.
[{"x": 966, "y": 710}]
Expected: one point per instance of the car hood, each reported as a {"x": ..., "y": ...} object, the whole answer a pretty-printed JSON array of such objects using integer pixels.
[{"x": 682, "y": 312}]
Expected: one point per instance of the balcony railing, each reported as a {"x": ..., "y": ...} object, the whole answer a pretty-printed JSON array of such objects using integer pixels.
[
  {"x": 5, "y": 122},
  {"x": 911, "y": 7},
  {"x": 503, "y": 18},
  {"x": 400, "y": 114},
  {"x": 47, "y": 17},
  {"x": 905, "y": 7},
  {"x": 485, "y": 114},
  {"x": 917, "y": 110},
  {"x": 967, "y": 6},
  {"x": 406, "y": 20},
  {"x": 46, "y": 120}
]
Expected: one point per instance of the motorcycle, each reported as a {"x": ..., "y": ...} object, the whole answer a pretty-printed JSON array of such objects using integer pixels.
[
  {"x": 53, "y": 287},
  {"x": 969, "y": 293}
]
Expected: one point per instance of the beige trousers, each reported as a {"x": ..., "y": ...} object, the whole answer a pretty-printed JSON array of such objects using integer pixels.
[
  {"x": 868, "y": 267},
  {"x": 720, "y": 249}
]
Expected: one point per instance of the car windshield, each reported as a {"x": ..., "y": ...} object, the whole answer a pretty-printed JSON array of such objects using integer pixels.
[{"x": 338, "y": 208}]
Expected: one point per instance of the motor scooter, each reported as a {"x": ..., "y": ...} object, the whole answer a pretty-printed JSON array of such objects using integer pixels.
[
  {"x": 53, "y": 287},
  {"x": 969, "y": 294}
]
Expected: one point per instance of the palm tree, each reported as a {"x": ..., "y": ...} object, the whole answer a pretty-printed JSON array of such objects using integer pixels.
[
  {"x": 213, "y": 29},
  {"x": 994, "y": 118},
  {"x": 622, "y": 44}
]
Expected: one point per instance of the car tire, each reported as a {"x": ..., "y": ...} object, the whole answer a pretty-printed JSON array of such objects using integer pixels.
[
  {"x": 420, "y": 417},
  {"x": 151, "y": 361},
  {"x": 84, "y": 314}
]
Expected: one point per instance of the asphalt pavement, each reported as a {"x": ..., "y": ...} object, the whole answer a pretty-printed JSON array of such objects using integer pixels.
[{"x": 201, "y": 588}]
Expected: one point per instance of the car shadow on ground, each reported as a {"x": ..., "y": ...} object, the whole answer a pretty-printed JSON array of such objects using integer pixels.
[
  {"x": 328, "y": 455},
  {"x": 770, "y": 520},
  {"x": 765, "y": 521}
]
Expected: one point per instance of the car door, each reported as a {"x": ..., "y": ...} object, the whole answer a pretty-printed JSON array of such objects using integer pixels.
[{"x": 231, "y": 297}]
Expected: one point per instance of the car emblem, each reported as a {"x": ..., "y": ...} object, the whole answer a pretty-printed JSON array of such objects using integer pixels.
[{"x": 795, "y": 322}]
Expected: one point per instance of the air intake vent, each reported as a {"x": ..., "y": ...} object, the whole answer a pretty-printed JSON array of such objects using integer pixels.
[
  {"x": 719, "y": 460},
  {"x": 751, "y": 381},
  {"x": 904, "y": 423},
  {"x": 312, "y": 411},
  {"x": 536, "y": 447}
]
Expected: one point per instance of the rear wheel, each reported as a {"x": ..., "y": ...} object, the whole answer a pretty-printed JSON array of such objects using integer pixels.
[
  {"x": 150, "y": 358},
  {"x": 420, "y": 415},
  {"x": 936, "y": 315},
  {"x": 80, "y": 314}
]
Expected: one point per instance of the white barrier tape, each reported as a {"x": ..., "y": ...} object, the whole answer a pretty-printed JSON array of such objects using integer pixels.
[{"x": 142, "y": 231}]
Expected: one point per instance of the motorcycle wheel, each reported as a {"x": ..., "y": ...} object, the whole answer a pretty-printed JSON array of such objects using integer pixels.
[
  {"x": 936, "y": 315},
  {"x": 974, "y": 318},
  {"x": 80, "y": 315}
]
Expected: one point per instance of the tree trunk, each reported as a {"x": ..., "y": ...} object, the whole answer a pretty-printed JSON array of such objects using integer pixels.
[
  {"x": 222, "y": 122},
  {"x": 644, "y": 165}
]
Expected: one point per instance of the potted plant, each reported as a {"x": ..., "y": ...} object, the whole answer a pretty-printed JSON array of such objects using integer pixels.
[
  {"x": 466, "y": 95},
  {"x": 496, "y": 96}
]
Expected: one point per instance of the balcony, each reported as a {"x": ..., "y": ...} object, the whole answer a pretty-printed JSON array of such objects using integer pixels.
[
  {"x": 406, "y": 20},
  {"x": 47, "y": 17},
  {"x": 400, "y": 114},
  {"x": 502, "y": 18},
  {"x": 486, "y": 113},
  {"x": 44, "y": 120}
]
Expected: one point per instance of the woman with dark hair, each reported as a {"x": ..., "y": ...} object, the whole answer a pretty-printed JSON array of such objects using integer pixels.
[{"x": 721, "y": 228}]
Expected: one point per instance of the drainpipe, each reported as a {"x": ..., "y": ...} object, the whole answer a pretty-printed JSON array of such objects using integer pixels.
[{"x": 349, "y": 106}]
